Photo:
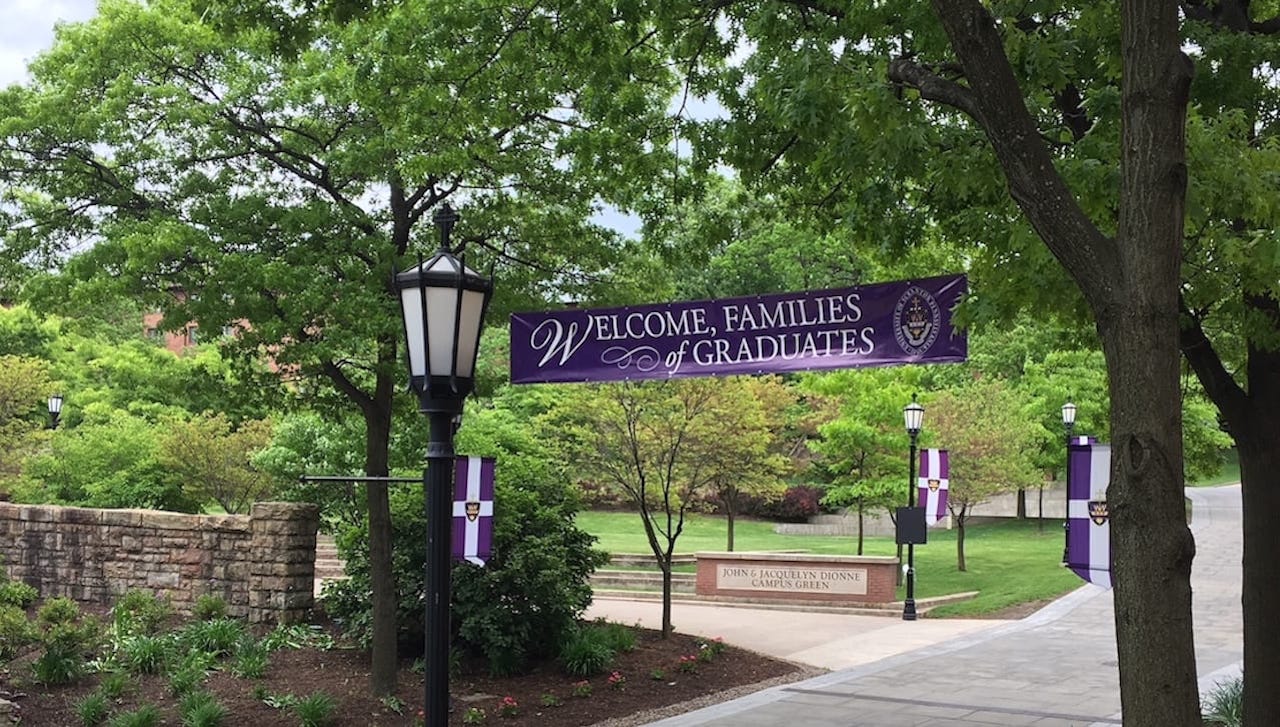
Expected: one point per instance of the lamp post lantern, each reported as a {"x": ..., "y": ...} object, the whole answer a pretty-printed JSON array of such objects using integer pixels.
[
  {"x": 55, "y": 410},
  {"x": 443, "y": 304},
  {"x": 913, "y": 415},
  {"x": 1068, "y": 424}
]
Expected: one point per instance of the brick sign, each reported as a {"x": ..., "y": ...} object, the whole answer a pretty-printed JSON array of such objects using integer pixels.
[{"x": 843, "y": 581}]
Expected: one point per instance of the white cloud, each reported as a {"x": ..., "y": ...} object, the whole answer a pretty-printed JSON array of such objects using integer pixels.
[{"x": 27, "y": 29}]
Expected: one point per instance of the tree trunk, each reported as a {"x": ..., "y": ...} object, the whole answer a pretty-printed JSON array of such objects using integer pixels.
[
  {"x": 1151, "y": 545},
  {"x": 665, "y": 564},
  {"x": 1022, "y": 504},
  {"x": 382, "y": 677},
  {"x": 729, "y": 516},
  {"x": 1259, "y": 468},
  {"x": 960, "y": 540},
  {"x": 1131, "y": 283},
  {"x": 1040, "y": 510},
  {"x": 859, "y": 531},
  {"x": 1252, "y": 414}
]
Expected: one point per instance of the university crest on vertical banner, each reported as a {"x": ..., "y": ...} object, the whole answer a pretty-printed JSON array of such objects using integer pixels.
[
  {"x": 934, "y": 481},
  {"x": 473, "y": 509},
  {"x": 1089, "y": 533}
]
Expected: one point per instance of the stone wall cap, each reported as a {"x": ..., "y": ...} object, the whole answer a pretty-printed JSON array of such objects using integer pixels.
[
  {"x": 799, "y": 557},
  {"x": 284, "y": 510}
]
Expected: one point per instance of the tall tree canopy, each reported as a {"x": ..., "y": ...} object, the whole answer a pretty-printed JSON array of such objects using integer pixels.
[
  {"x": 274, "y": 164},
  {"x": 1042, "y": 131}
]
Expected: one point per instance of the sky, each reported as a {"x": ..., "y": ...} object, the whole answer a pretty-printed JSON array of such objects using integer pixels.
[{"x": 27, "y": 29}]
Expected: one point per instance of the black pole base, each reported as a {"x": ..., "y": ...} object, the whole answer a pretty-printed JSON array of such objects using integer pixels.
[
  {"x": 1066, "y": 533},
  {"x": 909, "y": 611}
]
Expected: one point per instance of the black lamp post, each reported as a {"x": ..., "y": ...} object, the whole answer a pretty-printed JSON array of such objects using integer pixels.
[
  {"x": 443, "y": 304},
  {"x": 55, "y": 410},
  {"x": 1068, "y": 424},
  {"x": 913, "y": 414}
]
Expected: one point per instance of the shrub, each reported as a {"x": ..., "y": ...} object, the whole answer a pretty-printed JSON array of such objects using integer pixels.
[
  {"x": 315, "y": 710},
  {"x": 93, "y": 709},
  {"x": 139, "y": 612},
  {"x": 620, "y": 638},
  {"x": 217, "y": 637},
  {"x": 1224, "y": 705},
  {"x": 113, "y": 685},
  {"x": 251, "y": 662},
  {"x": 209, "y": 607},
  {"x": 65, "y": 645},
  {"x": 59, "y": 610},
  {"x": 145, "y": 716},
  {"x": 16, "y": 632},
  {"x": 146, "y": 654},
  {"x": 587, "y": 652},
  {"x": 200, "y": 709},
  {"x": 17, "y": 593},
  {"x": 797, "y": 504},
  {"x": 190, "y": 673},
  {"x": 526, "y": 600}
]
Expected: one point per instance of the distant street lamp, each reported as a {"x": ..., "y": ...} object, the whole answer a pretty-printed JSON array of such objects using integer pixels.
[
  {"x": 1068, "y": 424},
  {"x": 913, "y": 415},
  {"x": 443, "y": 304},
  {"x": 55, "y": 410}
]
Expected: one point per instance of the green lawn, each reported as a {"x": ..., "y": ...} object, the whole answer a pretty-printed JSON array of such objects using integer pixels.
[{"x": 1008, "y": 563}]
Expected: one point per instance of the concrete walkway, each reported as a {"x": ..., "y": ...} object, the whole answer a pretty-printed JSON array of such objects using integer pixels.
[{"x": 1053, "y": 669}]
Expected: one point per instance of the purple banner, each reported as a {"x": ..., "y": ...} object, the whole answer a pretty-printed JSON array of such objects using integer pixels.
[
  {"x": 1088, "y": 520},
  {"x": 871, "y": 325},
  {"x": 934, "y": 481},
  {"x": 473, "y": 509}
]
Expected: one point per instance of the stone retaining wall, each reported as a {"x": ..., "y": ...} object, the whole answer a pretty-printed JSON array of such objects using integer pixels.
[{"x": 261, "y": 564}]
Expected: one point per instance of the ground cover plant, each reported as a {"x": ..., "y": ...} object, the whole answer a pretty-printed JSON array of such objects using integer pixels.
[{"x": 137, "y": 665}]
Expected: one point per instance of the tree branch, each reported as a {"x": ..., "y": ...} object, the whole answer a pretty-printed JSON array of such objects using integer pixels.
[
  {"x": 1218, "y": 383},
  {"x": 995, "y": 101}
]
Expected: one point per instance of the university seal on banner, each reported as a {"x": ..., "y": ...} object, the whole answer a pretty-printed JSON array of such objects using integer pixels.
[
  {"x": 1098, "y": 511},
  {"x": 473, "y": 510},
  {"x": 934, "y": 485},
  {"x": 916, "y": 320}
]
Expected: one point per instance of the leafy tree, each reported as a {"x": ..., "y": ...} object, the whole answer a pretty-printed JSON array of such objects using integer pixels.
[
  {"x": 278, "y": 166},
  {"x": 111, "y": 460},
  {"x": 991, "y": 448},
  {"x": 749, "y": 463},
  {"x": 215, "y": 461},
  {"x": 861, "y": 446},
  {"x": 655, "y": 442},
  {"x": 24, "y": 389},
  {"x": 1040, "y": 132}
]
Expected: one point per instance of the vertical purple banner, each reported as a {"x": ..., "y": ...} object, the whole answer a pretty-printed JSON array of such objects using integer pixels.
[
  {"x": 872, "y": 325},
  {"x": 1089, "y": 536},
  {"x": 934, "y": 480},
  {"x": 473, "y": 509}
]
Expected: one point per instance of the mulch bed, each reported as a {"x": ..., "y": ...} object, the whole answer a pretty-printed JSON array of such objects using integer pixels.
[{"x": 343, "y": 675}]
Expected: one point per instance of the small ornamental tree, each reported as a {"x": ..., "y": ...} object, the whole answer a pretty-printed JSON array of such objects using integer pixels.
[
  {"x": 215, "y": 462},
  {"x": 748, "y": 464},
  {"x": 992, "y": 449},
  {"x": 656, "y": 442},
  {"x": 861, "y": 448}
]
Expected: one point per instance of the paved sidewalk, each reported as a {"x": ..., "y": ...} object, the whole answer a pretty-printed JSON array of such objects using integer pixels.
[{"x": 1056, "y": 668}]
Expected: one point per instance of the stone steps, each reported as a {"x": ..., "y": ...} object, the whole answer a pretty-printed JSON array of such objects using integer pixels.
[
  {"x": 329, "y": 565},
  {"x": 627, "y": 580}
]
